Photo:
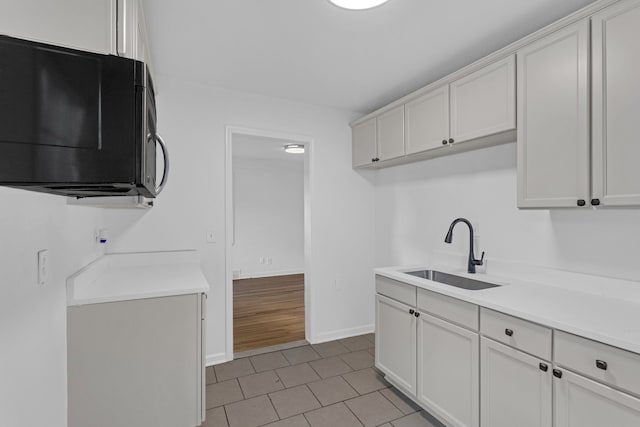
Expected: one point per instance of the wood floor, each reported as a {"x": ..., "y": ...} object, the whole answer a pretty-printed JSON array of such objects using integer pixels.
[{"x": 267, "y": 311}]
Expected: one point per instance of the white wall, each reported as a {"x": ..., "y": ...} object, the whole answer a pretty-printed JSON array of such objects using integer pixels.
[
  {"x": 33, "y": 345},
  {"x": 415, "y": 204},
  {"x": 269, "y": 215},
  {"x": 192, "y": 118}
]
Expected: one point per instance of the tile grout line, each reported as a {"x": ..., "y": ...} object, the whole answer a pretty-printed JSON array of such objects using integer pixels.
[
  {"x": 314, "y": 370},
  {"x": 273, "y": 406},
  {"x": 255, "y": 371},
  {"x": 314, "y": 395},
  {"x": 226, "y": 416},
  {"x": 396, "y": 406},
  {"x": 240, "y": 387},
  {"x": 344, "y": 402}
]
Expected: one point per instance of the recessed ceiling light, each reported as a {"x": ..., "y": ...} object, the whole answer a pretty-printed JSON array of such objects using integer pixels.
[
  {"x": 358, "y": 4},
  {"x": 294, "y": 148}
]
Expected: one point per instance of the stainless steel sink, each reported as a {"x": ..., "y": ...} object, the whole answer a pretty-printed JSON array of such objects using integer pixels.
[{"x": 451, "y": 280}]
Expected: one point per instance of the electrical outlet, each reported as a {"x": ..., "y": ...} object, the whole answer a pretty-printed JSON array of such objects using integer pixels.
[
  {"x": 269, "y": 261},
  {"x": 43, "y": 266}
]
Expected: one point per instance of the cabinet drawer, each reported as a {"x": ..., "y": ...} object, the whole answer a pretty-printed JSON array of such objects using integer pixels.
[
  {"x": 602, "y": 362},
  {"x": 521, "y": 334},
  {"x": 451, "y": 309},
  {"x": 397, "y": 290}
]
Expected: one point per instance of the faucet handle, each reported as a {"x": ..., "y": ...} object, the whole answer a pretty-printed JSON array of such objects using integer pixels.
[{"x": 479, "y": 261}]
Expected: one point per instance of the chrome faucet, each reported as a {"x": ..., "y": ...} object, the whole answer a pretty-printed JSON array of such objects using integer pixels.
[{"x": 471, "y": 268}]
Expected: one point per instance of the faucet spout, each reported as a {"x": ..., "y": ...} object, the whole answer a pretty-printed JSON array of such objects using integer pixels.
[{"x": 472, "y": 262}]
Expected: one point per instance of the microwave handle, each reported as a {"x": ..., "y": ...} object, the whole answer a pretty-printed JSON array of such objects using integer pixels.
[{"x": 165, "y": 155}]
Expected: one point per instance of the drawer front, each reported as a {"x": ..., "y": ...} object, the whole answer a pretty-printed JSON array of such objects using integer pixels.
[
  {"x": 460, "y": 312},
  {"x": 610, "y": 365},
  {"x": 396, "y": 290},
  {"x": 521, "y": 334}
]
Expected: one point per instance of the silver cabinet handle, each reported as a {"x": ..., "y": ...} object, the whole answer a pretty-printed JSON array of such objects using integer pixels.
[{"x": 165, "y": 155}]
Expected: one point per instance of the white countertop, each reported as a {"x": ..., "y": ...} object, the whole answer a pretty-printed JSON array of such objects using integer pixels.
[
  {"x": 613, "y": 318},
  {"x": 121, "y": 277}
]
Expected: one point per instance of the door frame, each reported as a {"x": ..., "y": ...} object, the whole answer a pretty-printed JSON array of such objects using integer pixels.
[{"x": 307, "y": 141}]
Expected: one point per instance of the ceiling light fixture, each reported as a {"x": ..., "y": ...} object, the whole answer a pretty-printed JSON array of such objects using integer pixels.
[
  {"x": 358, "y": 4},
  {"x": 294, "y": 148}
]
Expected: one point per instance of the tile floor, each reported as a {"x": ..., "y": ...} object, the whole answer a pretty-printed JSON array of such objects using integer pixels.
[{"x": 332, "y": 384}]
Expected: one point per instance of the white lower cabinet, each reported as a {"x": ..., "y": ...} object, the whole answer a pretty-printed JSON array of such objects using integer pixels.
[
  {"x": 448, "y": 371},
  {"x": 137, "y": 363},
  {"x": 505, "y": 375},
  {"x": 581, "y": 402},
  {"x": 516, "y": 387},
  {"x": 396, "y": 342}
]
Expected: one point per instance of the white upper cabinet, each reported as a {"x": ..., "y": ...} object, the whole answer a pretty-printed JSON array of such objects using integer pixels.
[
  {"x": 484, "y": 102},
  {"x": 390, "y": 133},
  {"x": 616, "y": 104},
  {"x": 553, "y": 119},
  {"x": 363, "y": 145},
  {"x": 379, "y": 138},
  {"x": 133, "y": 41},
  {"x": 78, "y": 24},
  {"x": 427, "y": 121},
  {"x": 113, "y": 27},
  {"x": 479, "y": 106}
]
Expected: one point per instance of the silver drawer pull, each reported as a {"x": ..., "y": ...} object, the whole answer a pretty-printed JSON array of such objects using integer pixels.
[{"x": 601, "y": 364}]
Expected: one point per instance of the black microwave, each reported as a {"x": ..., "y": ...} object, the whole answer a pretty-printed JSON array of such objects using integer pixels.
[{"x": 76, "y": 123}]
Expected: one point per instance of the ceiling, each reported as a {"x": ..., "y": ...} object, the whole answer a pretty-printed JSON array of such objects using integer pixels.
[
  {"x": 314, "y": 52},
  {"x": 263, "y": 148}
]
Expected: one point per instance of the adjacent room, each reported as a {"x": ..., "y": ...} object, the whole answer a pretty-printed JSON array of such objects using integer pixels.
[
  {"x": 268, "y": 204},
  {"x": 319, "y": 213}
]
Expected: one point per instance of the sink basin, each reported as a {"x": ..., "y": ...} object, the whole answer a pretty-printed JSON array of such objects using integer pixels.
[{"x": 451, "y": 280}]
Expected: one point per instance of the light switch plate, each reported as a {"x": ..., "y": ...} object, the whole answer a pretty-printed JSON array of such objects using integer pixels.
[
  {"x": 211, "y": 237},
  {"x": 43, "y": 266}
]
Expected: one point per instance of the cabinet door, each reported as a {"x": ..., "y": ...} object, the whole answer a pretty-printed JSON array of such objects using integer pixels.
[
  {"x": 78, "y": 24},
  {"x": 448, "y": 373},
  {"x": 391, "y": 133},
  {"x": 616, "y": 104},
  {"x": 553, "y": 119},
  {"x": 580, "y": 402},
  {"x": 364, "y": 143},
  {"x": 515, "y": 390},
  {"x": 484, "y": 103},
  {"x": 427, "y": 121},
  {"x": 134, "y": 363},
  {"x": 396, "y": 342}
]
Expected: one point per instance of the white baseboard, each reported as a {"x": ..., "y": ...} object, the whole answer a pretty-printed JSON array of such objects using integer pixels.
[
  {"x": 268, "y": 274},
  {"x": 216, "y": 359},
  {"x": 343, "y": 333}
]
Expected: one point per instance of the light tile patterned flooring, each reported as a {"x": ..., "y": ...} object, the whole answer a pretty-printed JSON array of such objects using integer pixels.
[{"x": 332, "y": 384}]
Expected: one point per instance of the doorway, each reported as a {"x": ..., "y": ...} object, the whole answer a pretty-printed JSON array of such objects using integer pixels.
[{"x": 267, "y": 289}]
